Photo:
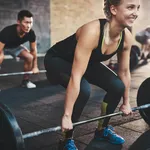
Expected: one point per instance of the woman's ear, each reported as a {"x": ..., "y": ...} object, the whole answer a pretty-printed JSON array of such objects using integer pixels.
[{"x": 113, "y": 10}]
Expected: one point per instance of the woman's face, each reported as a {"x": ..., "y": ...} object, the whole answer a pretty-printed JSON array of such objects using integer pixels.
[{"x": 126, "y": 13}]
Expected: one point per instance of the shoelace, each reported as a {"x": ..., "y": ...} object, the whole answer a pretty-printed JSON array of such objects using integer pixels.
[
  {"x": 70, "y": 145},
  {"x": 110, "y": 127},
  {"x": 109, "y": 130}
]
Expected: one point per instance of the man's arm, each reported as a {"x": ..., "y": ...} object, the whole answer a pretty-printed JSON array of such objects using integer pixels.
[
  {"x": 1, "y": 52},
  {"x": 33, "y": 51}
]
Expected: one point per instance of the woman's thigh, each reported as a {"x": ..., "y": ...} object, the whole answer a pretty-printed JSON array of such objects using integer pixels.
[
  {"x": 57, "y": 70},
  {"x": 100, "y": 75}
]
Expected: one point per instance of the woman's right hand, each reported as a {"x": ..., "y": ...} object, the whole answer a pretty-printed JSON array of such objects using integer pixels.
[{"x": 66, "y": 123}]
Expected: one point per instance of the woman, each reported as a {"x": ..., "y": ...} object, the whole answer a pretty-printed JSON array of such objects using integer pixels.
[{"x": 75, "y": 62}]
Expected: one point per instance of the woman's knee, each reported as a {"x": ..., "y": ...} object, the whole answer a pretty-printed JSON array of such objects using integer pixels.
[
  {"x": 118, "y": 87},
  {"x": 81, "y": 100},
  {"x": 85, "y": 90}
]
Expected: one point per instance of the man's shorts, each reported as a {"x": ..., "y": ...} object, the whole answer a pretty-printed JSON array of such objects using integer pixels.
[{"x": 14, "y": 52}]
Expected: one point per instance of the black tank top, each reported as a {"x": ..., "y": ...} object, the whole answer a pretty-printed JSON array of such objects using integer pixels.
[{"x": 65, "y": 48}]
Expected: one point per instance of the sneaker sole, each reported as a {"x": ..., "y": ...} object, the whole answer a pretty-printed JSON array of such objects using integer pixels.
[
  {"x": 103, "y": 139},
  {"x": 27, "y": 87}
]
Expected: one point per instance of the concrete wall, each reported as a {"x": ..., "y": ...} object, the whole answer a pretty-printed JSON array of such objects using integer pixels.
[
  {"x": 68, "y": 15},
  {"x": 41, "y": 12},
  {"x": 56, "y": 19},
  {"x": 144, "y": 17}
]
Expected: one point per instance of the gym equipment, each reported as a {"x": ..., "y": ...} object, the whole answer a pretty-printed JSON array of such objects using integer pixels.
[
  {"x": 9, "y": 128},
  {"x": 141, "y": 37},
  {"x": 19, "y": 73},
  {"x": 135, "y": 53},
  {"x": 136, "y": 49},
  {"x": 11, "y": 137},
  {"x": 143, "y": 97},
  {"x": 133, "y": 59}
]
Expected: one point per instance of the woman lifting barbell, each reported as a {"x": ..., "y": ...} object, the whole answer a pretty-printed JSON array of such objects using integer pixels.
[{"x": 75, "y": 62}]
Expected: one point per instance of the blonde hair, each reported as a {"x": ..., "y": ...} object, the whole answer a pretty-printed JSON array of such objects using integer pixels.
[{"x": 107, "y": 4}]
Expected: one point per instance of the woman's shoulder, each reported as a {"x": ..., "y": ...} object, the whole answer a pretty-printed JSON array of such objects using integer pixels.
[
  {"x": 96, "y": 22},
  {"x": 128, "y": 34},
  {"x": 92, "y": 27},
  {"x": 128, "y": 38},
  {"x": 89, "y": 32}
]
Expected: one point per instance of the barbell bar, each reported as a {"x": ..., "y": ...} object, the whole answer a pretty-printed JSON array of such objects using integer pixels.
[
  {"x": 37, "y": 133},
  {"x": 20, "y": 73},
  {"x": 9, "y": 128},
  {"x": 15, "y": 134}
]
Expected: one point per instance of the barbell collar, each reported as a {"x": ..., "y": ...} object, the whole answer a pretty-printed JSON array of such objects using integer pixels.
[{"x": 141, "y": 107}]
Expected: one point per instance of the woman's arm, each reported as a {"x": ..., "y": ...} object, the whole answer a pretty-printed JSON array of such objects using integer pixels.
[
  {"x": 124, "y": 70},
  {"x": 87, "y": 39}
]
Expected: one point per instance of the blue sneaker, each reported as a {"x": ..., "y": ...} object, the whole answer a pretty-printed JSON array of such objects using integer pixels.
[
  {"x": 109, "y": 135},
  {"x": 67, "y": 144}
]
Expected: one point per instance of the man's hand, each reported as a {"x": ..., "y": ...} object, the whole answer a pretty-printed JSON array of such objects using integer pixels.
[{"x": 35, "y": 70}]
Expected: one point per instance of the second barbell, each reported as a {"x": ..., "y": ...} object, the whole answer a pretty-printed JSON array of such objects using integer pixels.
[{"x": 19, "y": 73}]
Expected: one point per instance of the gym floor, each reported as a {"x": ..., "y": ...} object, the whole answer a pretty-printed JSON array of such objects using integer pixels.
[{"x": 42, "y": 107}]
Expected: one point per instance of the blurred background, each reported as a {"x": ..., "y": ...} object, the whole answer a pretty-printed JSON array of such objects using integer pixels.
[{"x": 56, "y": 19}]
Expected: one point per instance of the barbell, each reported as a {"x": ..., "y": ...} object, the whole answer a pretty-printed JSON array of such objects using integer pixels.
[
  {"x": 19, "y": 73},
  {"x": 9, "y": 128}
]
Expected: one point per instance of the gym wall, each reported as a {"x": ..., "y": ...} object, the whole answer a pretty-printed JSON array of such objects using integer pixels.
[
  {"x": 41, "y": 12},
  {"x": 67, "y": 15},
  {"x": 56, "y": 19}
]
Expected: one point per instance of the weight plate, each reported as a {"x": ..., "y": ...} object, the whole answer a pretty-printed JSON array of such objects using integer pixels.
[
  {"x": 143, "y": 97},
  {"x": 136, "y": 49},
  {"x": 10, "y": 132},
  {"x": 133, "y": 59}
]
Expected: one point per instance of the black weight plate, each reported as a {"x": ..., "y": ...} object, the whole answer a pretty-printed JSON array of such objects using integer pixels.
[
  {"x": 10, "y": 133},
  {"x": 136, "y": 49},
  {"x": 142, "y": 142},
  {"x": 133, "y": 59},
  {"x": 143, "y": 97}
]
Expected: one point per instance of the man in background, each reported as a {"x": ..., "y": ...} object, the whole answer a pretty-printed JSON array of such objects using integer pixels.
[{"x": 11, "y": 39}]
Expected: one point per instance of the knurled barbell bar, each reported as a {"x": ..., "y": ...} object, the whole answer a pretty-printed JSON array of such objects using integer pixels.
[
  {"x": 9, "y": 128},
  {"x": 20, "y": 73},
  {"x": 14, "y": 132}
]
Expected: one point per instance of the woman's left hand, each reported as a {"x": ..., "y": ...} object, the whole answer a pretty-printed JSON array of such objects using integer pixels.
[{"x": 126, "y": 109}]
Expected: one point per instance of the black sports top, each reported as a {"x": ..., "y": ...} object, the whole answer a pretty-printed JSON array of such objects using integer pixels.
[
  {"x": 10, "y": 38},
  {"x": 65, "y": 48}
]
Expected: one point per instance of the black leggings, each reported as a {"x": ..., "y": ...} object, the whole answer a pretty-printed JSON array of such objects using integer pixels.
[{"x": 58, "y": 72}]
